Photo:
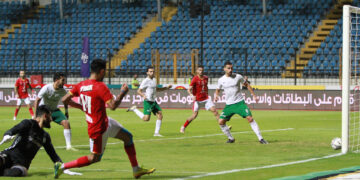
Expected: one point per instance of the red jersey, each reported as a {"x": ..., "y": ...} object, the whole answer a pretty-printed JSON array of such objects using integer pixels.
[
  {"x": 93, "y": 96},
  {"x": 200, "y": 88},
  {"x": 23, "y": 85}
]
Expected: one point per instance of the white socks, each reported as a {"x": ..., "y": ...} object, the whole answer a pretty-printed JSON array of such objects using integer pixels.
[
  {"x": 67, "y": 135},
  {"x": 157, "y": 127},
  {"x": 256, "y": 129},
  {"x": 138, "y": 113},
  {"x": 226, "y": 131}
]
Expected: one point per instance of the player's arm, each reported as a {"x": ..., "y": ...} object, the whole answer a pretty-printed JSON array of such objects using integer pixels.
[
  {"x": 16, "y": 90},
  {"x": 68, "y": 101},
  {"x": 217, "y": 93},
  {"x": 36, "y": 103},
  {"x": 22, "y": 126},
  {"x": 50, "y": 150},
  {"x": 113, "y": 104},
  {"x": 29, "y": 86},
  {"x": 164, "y": 88},
  {"x": 248, "y": 86},
  {"x": 189, "y": 90},
  {"x": 139, "y": 91}
]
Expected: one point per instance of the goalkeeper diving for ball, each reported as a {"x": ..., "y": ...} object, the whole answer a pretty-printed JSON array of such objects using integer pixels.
[{"x": 29, "y": 138}]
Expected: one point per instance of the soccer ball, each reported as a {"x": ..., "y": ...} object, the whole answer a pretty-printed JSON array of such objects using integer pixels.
[{"x": 336, "y": 143}]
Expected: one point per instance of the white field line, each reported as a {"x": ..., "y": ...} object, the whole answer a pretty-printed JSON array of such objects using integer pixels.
[
  {"x": 120, "y": 170},
  {"x": 257, "y": 168},
  {"x": 179, "y": 138}
]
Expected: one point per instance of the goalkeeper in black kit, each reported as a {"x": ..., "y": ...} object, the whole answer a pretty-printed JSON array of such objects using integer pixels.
[{"x": 29, "y": 138}]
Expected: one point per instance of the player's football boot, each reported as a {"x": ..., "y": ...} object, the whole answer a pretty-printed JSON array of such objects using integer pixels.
[
  {"x": 263, "y": 141},
  {"x": 71, "y": 149},
  {"x": 229, "y": 127},
  {"x": 182, "y": 129},
  {"x": 142, "y": 171},
  {"x": 158, "y": 135},
  {"x": 230, "y": 141},
  {"x": 58, "y": 170},
  {"x": 14, "y": 118},
  {"x": 132, "y": 108}
]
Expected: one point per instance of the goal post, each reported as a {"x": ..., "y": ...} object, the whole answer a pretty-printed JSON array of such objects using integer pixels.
[{"x": 350, "y": 80}]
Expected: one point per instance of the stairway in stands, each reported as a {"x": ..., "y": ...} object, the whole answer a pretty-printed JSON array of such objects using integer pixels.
[
  {"x": 23, "y": 20},
  {"x": 313, "y": 43},
  {"x": 167, "y": 13}
]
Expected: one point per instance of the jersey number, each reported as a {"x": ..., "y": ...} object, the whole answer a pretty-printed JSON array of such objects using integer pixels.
[{"x": 86, "y": 103}]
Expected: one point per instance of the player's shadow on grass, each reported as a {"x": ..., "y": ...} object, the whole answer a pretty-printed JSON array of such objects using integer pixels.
[
  {"x": 42, "y": 174},
  {"x": 154, "y": 176}
]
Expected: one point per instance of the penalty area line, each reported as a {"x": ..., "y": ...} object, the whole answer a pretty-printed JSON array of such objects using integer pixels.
[{"x": 257, "y": 168}]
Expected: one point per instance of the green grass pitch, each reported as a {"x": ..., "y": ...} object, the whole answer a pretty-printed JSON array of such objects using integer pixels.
[{"x": 293, "y": 136}]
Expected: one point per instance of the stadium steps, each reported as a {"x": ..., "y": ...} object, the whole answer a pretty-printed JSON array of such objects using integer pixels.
[
  {"x": 167, "y": 13},
  {"x": 23, "y": 20},
  {"x": 319, "y": 36}
]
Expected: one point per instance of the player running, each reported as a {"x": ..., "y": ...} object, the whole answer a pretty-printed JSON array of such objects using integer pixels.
[
  {"x": 50, "y": 95},
  {"x": 150, "y": 104},
  {"x": 94, "y": 94},
  {"x": 21, "y": 91},
  {"x": 198, "y": 90},
  {"x": 30, "y": 137},
  {"x": 235, "y": 102}
]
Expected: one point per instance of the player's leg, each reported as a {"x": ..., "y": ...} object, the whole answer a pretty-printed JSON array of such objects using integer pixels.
[
  {"x": 61, "y": 119},
  {"x": 18, "y": 106},
  {"x": 97, "y": 147},
  {"x": 158, "y": 123},
  {"x": 192, "y": 117},
  {"x": 211, "y": 107},
  {"x": 116, "y": 130},
  {"x": 27, "y": 102},
  {"x": 16, "y": 171},
  {"x": 256, "y": 129},
  {"x": 246, "y": 113},
  {"x": 224, "y": 117},
  {"x": 188, "y": 121},
  {"x": 142, "y": 115}
]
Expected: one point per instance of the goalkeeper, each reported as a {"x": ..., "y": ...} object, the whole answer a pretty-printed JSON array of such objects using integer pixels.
[{"x": 29, "y": 138}]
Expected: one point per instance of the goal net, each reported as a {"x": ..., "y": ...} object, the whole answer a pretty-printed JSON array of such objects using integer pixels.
[{"x": 351, "y": 80}]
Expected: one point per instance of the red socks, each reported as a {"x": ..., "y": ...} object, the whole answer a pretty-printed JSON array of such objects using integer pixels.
[
  {"x": 130, "y": 151},
  {"x": 186, "y": 123},
  {"x": 31, "y": 112},
  {"x": 83, "y": 161},
  {"x": 16, "y": 112}
]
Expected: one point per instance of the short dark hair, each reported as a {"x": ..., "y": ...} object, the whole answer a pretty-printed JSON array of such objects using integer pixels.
[
  {"x": 43, "y": 109},
  {"x": 200, "y": 66},
  {"x": 149, "y": 67},
  {"x": 97, "y": 65},
  {"x": 227, "y": 63},
  {"x": 58, "y": 75}
]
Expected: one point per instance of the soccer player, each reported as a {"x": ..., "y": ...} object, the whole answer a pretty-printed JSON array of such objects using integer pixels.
[
  {"x": 235, "y": 102},
  {"x": 30, "y": 137},
  {"x": 94, "y": 95},
  {"x": 198, "y": 90},
  {"x": 50, "y": 95},
  {"x": 21, "y": 90},
  {"x": 150, "y": 104}
]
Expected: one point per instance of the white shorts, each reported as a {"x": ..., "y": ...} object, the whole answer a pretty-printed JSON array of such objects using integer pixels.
[
  {"x": 200, "y": 104},
  {"x": 97, "y": 146},
  {"x": 19, "y": 101}
]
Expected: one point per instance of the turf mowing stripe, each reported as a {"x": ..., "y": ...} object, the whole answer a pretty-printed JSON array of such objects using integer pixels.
[
  {"x": 257, "y": 168},
  {"x": 177, "y": 138}
]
